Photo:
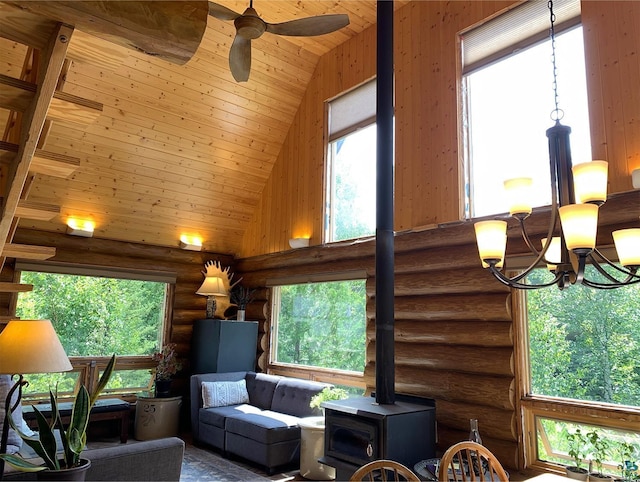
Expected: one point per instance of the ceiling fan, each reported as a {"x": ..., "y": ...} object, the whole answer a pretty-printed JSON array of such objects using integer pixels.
[{"x": 250, "y": 26}]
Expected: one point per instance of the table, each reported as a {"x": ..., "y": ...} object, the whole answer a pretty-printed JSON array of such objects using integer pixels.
[
  {"x": 156, "y": 417},
  {"x": 104, "y": 409}
]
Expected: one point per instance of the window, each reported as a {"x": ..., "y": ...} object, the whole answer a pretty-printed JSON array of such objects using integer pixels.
[
  {"x": 350, "y": 197},
  {"x": 320, "y": 325},
  {"x": 94, "y": 318},
  {"x": 584, "y": 358},
  {"x": 508, "y": 98}
]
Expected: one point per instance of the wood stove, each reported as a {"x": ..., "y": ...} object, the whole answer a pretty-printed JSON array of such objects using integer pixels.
[{"x": 358, "y": 430}]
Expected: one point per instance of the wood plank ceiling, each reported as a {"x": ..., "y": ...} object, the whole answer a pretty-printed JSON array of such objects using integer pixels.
[{"x": 146, "y": 148}]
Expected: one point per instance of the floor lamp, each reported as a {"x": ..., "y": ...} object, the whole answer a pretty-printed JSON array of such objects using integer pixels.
[{"x": 27, "y": 346}]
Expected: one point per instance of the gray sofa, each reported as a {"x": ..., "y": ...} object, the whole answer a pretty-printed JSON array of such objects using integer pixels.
[
  {"x": 264, "y": 430},
  {"x": 159, "y": 459}
]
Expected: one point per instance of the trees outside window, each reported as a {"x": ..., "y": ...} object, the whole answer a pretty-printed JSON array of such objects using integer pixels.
[
  {"x": 584, "y": 351},
  {"x": 320, "y": 325},
  {"x": 94, "y": 318}
]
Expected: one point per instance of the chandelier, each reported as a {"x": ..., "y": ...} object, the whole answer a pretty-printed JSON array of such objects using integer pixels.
[{"x": 576, "y": 194}]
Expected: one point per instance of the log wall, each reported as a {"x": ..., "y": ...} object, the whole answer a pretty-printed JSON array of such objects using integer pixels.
[
  {"x": 186, "y": 265},
  {"x": 454, "y": 323},
  {"x": 428, "y": 164}
]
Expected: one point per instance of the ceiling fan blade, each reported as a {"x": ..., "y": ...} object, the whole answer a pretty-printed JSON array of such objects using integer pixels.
[
  {"x": 220, "y": 11},
  {"x": 240, "y": 58},
  {"x": 310, "y": 26}
]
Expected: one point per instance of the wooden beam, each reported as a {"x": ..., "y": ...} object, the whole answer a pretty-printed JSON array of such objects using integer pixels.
[
  {"x": 24, "y": 27},
  {"x": 171, "y": 30},
  {"x": 71, "y": 108},
  {"x": 53, "y": 164},
  {"x": 28, "y": 251},
  {"x": 43, "y": 162},
  {"x": 33, "y": 121},
  {"x": 6, "y": 287},
  {"x": 36, "y": 211},
  {"x": 17, "y": 95}
]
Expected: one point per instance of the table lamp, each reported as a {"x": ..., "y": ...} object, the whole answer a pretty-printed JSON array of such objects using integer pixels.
[
  {"x": 27, "y": 346},
  {"x": 212, "y": 286}
]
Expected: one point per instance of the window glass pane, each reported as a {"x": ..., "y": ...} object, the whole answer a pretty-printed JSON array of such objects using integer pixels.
[
  {"x": 621, "y": 454},
  {"x": 321, "y": 325},
  {"x": 40, "y": 384},
  {"x": 509, "y": 105},
  {"x": 97, "y": 316},
  {"x": 585, "y": 343},
  {"x": 351, "y": 200}
]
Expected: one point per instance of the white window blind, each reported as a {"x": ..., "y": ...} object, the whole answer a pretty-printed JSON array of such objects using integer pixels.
[
  {"x": 350, "y": 111},
  {"x": 515, "y": 29}
]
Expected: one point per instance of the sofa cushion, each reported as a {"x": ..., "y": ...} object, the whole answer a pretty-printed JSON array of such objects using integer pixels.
[
  {"x": 292, "y": 396},
  {"x": 216, "y": 416},
  {"x": 222, "y": 394},
  {"x": 266, "y": 427},
  {"x": 261, "y": 388}
]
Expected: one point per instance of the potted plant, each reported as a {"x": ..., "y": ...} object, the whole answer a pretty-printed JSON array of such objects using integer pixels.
[
  {"x": 627, "y": 466},
  {"x": 241, "y": 297},
  {"x": 577, "y": 451},
  {"x": 168, "y": 365},
  {"x": 600, "y": 448},
  {"x": 328, "y": 393},
  {"x": 73, "y": 437}
]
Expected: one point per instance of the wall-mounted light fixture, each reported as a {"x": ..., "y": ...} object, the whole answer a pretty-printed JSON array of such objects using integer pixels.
[
  {"x": 79, "y": 227},
  {"x": 191, "y": 243},
  {"x": 635, "y": 178},
  {"x": 299, "y": 243}
]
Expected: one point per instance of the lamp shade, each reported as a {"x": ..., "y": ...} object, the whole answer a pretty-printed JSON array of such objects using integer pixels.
[
  {"x": 31, "y": 346},
  {"x": 627, "y": 243},
  {"x": 590, "y": 182},
  {"x": 553, "y": 255},
  {"x": 491, "y": 237},
  {"x": 211, "y": 286},
  {"x": 518, "y": 193},
  {"x": 579, "y": 225}
]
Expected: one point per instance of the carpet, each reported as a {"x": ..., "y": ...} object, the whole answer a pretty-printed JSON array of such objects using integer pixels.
[{"x": 199, "y": 464}]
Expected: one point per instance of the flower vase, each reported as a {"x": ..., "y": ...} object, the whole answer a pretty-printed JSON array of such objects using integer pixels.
[
  {"x": 163, "y": 388},
  {"x": 240, "y": 315}
]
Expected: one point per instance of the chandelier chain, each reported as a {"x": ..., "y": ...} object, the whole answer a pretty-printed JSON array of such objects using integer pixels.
[{"x": 557, "y": 113}]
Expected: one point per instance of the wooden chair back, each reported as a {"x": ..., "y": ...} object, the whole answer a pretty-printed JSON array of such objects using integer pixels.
[
  {"x": 455, "y": 463},
  {"x": 385, "y": 471}
]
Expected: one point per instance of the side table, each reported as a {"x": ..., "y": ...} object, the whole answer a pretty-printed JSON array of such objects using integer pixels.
[{"x": 156, "y": 417}]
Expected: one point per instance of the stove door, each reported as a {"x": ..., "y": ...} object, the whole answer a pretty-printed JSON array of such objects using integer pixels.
[{"x": 355, "y": 440}]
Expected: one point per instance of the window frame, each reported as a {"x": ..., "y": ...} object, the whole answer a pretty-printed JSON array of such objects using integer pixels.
[
  {"x": 91, "y": 367},
  {"x": 363, "y": 119},
  {"x": 321, "y": 374},
  {"x": 530, "y": 406}
]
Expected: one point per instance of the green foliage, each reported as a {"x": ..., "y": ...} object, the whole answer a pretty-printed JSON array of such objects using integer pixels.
[
  {"x": 599, "y": 450},
  {"x": 577, "y": 447},
  {"x": 323, "y": 325},
  {"x": 328, "y": 393},
  {"x": 74, "y": 436},
  {"x": 627, "y": 455},
  {"x": 585, "y": 343},
  {"x": 96, "y": 316}
]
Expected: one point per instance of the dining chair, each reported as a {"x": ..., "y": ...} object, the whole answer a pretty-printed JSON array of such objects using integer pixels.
[
  {"x": 382, "y": 470},
  {"x": 455, "y": 463}
]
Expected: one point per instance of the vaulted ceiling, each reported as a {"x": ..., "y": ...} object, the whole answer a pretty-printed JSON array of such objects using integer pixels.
[{"x": 148, "y": 147}]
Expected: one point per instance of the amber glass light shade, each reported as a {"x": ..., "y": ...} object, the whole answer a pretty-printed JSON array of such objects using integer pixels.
[
  {"x": 553, "y": 255},
  {"x": 627, "y": 243},
  {"x": 579, "y": 225},
  {"x": 590, "y": 182},
  {"x": 518, "y": 192},
  {"x": 491, "y": 237}
]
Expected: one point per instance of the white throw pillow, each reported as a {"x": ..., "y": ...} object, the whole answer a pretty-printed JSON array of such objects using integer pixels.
[{"x": 221, "y": 394}]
